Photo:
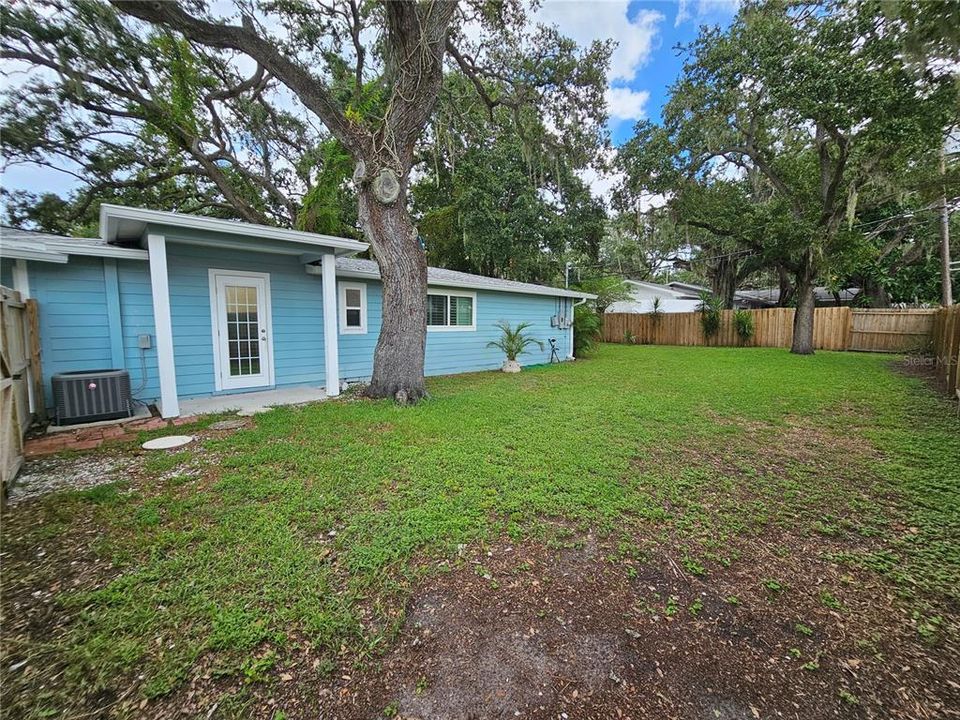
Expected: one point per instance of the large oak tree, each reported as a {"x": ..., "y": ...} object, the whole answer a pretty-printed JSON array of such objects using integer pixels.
[{"x": 266, "y": 114}]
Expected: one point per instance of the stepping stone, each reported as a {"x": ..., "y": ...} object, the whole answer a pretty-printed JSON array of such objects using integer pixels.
[
  {"x": 228, "y": 425},
  {"x": 168, "y": 442}
]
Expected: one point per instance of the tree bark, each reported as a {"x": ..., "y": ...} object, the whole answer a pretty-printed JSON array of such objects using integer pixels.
[
  {"x": 725, "y": 280},
  {"x": 803, "y": 316},
  {"x": 399, "y": 355},
  {"x": 946, "y": 288}
]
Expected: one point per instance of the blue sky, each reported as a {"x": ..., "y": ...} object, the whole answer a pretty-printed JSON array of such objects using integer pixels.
[
  {"x": 679, "y": 27},
  {"x": 643, "y": 66}
]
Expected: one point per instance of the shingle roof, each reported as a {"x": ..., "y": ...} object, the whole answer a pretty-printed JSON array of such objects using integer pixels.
[{"x": 454, "y": 278}]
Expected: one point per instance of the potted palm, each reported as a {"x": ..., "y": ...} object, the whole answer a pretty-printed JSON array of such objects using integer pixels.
[{"x": 513, "y": 342}]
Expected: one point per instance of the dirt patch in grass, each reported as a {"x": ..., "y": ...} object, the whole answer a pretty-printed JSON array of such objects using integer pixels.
[{"x": 531, "y": 630}]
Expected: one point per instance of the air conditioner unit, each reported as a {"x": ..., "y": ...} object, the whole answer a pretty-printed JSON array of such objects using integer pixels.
[{"x": 91, "y": 395}]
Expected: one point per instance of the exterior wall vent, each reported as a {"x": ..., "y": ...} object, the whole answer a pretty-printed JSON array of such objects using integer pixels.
[{"x": 91, "y": 395}]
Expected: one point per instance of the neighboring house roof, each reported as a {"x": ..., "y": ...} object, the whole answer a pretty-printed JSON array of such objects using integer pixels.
[
  {"x": 822, "y": 294},
  {"x": 664, "y": 290},
  {"x": 29, "y": 245},
  {"x": 355, "y": 267}
]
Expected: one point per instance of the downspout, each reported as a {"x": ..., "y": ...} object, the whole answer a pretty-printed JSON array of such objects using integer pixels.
[{"x": 573, "y": 313}]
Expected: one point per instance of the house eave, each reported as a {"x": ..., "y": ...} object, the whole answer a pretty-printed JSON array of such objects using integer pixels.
[
  {"x": 119, "y": 223},
  {"x": 446, "y": 283}
]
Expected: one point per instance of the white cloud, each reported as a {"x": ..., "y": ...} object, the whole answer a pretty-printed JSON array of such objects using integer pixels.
[
  {"x": 704, "y": 9},
  {"x": 588, "y": 21},
  {"x": 626, "y": 104}
]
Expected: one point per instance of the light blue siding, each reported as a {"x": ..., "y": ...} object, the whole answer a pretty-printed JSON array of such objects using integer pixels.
[
  {"x": 456, "y": 351},
  {"x": 6, "y": 272},
  {"x": 297, "y": 311},
  {"x": 136, "y": 318},
  {"x": 72, "y": 307},
  {"x": 84, "y": 303}
]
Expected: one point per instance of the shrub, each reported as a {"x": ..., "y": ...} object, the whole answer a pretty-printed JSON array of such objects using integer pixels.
[
  {"x": 656, "y": 312},
  {"x": 743, "y": 321},
  {"x": 629, "y": 338},
  {"x": 514, "y": 341},
  {"x": 709, "y": 309},
  {"x": 586, "y": 330}
]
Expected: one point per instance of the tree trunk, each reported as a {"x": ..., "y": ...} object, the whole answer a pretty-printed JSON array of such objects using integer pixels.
[
  {"x": 725, "y": 280},
  {"x": 398, "y": 358},
  {"x": 786, "y": 287},
  {"x": 803, "y": 317}
]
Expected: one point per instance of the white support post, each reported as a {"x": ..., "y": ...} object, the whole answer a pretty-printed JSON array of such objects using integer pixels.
[
  {"x": 331, "y": 349},
  {"x": 21, "y": 283},
  {"x": 21, "y": 280},
  {"x": 159, "y": 284}
]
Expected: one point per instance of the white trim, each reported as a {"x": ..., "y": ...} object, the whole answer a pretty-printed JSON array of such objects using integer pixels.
[
  {"x": 573, "y": 315},
  {"x": 160, "y": 289},
  {"x": 454, "y": 328},
  {"x": 111, "y": 215},
  {"x": 15, "y": 250},
  {"x": 21, "y": 280},
  {"x": 60, "y": 252},
  {"x": 266, "y": 355},
  {"x": 342, "y": 288},
  {"x": 331, "y": 350},
  {"x": 21, "y": 283}
]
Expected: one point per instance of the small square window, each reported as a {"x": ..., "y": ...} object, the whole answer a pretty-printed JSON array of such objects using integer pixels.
[{"x": 353, "y": 308}]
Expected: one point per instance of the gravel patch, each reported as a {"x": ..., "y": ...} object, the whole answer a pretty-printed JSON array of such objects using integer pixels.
[{"x": 53, "y": 474}]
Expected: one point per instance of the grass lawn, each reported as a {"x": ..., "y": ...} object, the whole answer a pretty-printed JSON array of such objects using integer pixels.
[{"x": 810, "y": 506}]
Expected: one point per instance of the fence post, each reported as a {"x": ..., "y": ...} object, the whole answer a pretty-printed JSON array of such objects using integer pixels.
[{"x": 36, "y": 366}]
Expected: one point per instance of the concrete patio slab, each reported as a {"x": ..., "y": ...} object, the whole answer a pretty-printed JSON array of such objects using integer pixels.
[
  {"x": 140, "y": 412},
  {"x": 251, "y": 403}
]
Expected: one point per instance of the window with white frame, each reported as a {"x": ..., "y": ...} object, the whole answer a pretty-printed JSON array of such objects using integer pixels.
[
  {"x": 451, "y": 311},
  {"x": 353, "y": 308}
]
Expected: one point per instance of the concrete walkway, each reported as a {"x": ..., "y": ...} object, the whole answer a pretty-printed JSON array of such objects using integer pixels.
[{"x": 250, "y": 403}]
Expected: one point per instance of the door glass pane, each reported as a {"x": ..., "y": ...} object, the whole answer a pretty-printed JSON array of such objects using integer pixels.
[
  {"x": 436, "y": 309},
  {"x": 243, "y": 330}
]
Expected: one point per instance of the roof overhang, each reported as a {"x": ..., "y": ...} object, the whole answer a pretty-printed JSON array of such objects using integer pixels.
[
  {"x": 448, "y": 283},
  {"x": 119, "y": 224},
  {"x": 60, "y": 251}
]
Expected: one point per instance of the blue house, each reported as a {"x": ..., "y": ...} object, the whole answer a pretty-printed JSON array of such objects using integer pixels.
[{"x": 195, "y": 307}]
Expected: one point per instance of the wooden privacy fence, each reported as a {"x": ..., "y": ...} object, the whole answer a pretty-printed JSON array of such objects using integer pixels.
[
  {"x": 946, "y": 347},
  {"x": 20, "y": 379},
  {"x": 834, "y": 328}
]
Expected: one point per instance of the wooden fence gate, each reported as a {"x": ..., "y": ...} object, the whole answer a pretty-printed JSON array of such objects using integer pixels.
[{"x": 20, "y": 380}]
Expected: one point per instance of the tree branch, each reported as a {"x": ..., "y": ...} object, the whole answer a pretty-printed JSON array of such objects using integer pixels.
[{"x": 311, "y": 90}]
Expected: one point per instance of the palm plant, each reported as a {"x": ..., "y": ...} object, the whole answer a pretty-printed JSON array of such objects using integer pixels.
[
  {"x": 743, "y": 320},
  {"x": 709, "y": 308},
  {"x": 514, "y": 341}
]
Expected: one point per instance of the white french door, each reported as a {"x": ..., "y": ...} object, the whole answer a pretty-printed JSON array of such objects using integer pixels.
[{"x": 243, "y": 347}]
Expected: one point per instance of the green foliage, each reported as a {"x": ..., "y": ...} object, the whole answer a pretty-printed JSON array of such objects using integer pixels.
[
  {"x": 514, "y": 341},
  {"x": 710, "y": 309},
  {"x": 330, "y": 206},
  {"x": 743, "y": 323},
  {"x": 587, "y": 326},
  {"x": 799, "y": 142},
  {"x": 608, "y": 289},
  {"x": 656, "y": 310}
]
